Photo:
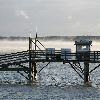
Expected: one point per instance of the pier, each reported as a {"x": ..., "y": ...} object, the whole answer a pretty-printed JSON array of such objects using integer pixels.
[{"x": 18, "y": 61}]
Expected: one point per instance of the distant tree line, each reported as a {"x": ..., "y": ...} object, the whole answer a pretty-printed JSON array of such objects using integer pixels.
[
  {"x": 54, "y": 38},
  {"x": 12, "y": 38},
  {"x": 70, "y": 38}
]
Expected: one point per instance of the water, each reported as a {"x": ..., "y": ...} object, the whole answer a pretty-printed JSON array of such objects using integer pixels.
[
  {"x": 57, "y": 81},
  {"x": 38, "y": 92}
]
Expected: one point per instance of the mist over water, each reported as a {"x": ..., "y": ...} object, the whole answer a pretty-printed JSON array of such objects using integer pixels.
[
  {"x": 13, "y": 46},
  {"x": 95, "y": 46},
  {"x": 64, "y": 44},
  {"x": 57, "y": 81}
]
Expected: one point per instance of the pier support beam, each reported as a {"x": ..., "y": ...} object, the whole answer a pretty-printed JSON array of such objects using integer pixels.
[
  {"x": 86, "y": 72},
  {"x": 30, "y": 64},
  {"x": 34, "y": 72}
]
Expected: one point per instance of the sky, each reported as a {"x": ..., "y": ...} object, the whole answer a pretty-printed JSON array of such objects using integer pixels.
[{"x": 49, "y": 17}]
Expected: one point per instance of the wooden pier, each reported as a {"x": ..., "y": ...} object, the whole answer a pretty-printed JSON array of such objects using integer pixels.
[{"x": 16, "y": 61}]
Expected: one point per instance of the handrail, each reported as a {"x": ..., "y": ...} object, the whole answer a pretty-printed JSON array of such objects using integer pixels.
[
  {"x": 39, "y": 55},
  {"x": 93, "y": 55}
]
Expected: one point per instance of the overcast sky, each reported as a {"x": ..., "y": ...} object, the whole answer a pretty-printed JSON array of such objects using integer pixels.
[{"x": 51, "y": 17}]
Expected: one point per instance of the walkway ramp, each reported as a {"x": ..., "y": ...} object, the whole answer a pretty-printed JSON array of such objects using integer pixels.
[{"x": 13, "y": 59}]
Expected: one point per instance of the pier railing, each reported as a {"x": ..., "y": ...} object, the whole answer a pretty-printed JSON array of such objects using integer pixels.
[
  {"x": 42, "y": 55},
  {"x": 59, "y": 56}
]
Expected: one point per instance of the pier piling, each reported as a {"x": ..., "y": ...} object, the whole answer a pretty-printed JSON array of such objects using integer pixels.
[{"x": 86, "y": 72}]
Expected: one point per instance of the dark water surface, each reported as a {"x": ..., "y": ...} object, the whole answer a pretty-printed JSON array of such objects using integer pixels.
[
  {"x": 55, "y": 82},
  {"x": 38, "y": 92}
]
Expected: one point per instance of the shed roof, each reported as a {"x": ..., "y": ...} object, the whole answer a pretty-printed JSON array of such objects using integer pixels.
[{"x": 83, "y": 42}]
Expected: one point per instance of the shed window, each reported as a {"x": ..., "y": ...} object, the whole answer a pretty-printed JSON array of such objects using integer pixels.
[{"x": 83, "y": 47}]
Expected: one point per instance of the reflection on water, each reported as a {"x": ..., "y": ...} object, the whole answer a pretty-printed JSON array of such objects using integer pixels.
[{"x": 57, "y": 81}]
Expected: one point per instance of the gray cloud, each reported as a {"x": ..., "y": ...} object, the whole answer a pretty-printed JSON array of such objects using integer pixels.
[
  {"x": 22, "y": 13},
  {"x": 54, "y": 17}
]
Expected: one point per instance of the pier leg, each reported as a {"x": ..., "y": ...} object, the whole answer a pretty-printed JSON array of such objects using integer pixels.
[
  {"x": 29, "y": 71},
  {"x": 34, "y": 70},
  {"x": 86, "y": 72},
  {"x": 30, "y": 64}
]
